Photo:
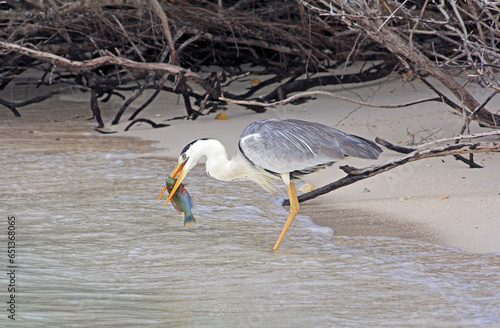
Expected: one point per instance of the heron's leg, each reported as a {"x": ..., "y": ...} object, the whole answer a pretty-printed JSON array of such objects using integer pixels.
[{"x": 294, "y": 209}]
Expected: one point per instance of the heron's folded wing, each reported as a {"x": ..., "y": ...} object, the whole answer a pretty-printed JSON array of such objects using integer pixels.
[{"x": 290, "y": 145}]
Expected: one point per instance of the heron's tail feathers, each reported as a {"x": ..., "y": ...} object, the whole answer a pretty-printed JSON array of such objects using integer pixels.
[{"x": 360, "y": 147}]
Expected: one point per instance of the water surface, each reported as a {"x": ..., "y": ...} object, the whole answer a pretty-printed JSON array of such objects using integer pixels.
[{"x": 95, "y": 248}]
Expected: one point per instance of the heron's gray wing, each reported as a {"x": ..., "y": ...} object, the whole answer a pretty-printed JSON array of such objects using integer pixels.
[{"x": 292, "y": 145}]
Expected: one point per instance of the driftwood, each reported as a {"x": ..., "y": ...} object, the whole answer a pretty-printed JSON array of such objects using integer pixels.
[
  {"x": 470, "y": 161},
  {"x": 84, "y": 66},
  {"x": 145, "y": 120},
  {"x": 106, "y": 45},
  {"x": 458, "y": 138},
  {"x": 308, "y": 94},
  {"x": 367, "y": 17},
  {"x": 357, "y": 174},
  {"x": 406, "y": 150}
]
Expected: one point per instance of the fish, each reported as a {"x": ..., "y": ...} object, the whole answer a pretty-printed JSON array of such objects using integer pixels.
[{"x": 181, "y": 200}]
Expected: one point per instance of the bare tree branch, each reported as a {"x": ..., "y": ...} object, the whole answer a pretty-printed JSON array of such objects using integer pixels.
[
  {"x": 460, "y": 137},
  {"x": 166, "y": 29},
  {"x": 355, "y": 174},
  {"x": 365, "y": 16},
  {"x": 88, "y": 65},
  {"x": 323, "y": 93}
]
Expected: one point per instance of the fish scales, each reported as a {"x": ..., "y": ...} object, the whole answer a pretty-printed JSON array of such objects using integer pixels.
[{"x": 181, "y": 200}]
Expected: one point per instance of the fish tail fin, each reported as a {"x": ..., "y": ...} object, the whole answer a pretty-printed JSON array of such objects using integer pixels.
[{"x": 189, "y": 219}]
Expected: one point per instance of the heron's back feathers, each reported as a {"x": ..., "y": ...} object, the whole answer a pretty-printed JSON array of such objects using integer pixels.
[{"x": 300, "y": 147}]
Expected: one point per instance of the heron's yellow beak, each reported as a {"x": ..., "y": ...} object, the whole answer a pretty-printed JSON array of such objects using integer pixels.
[{"x": 178, "y": 168}]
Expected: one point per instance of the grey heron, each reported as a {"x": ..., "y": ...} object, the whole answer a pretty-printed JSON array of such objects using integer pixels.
[{"x": 274, "y": 149}]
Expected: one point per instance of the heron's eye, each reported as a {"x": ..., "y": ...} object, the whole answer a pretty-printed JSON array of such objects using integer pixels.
[{"x": 183, "y": 156}]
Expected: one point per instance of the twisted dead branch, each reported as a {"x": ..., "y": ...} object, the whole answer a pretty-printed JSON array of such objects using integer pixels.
[
  {"x": 365, "y": 16},
  {"x": 358, "y": 174},
  {"x": 88, "y": 65},
  {"x": 106, "y": 44},
  {"x": 323, "y": 93}
]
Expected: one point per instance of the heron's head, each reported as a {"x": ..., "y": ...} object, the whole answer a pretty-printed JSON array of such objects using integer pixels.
[{"x": 188, "y": 158}]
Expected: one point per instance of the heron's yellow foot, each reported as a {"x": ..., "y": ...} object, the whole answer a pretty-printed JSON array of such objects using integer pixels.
[{"x": 291, "y": 216}]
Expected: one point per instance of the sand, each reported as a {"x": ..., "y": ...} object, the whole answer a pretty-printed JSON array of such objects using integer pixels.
[{"x": 438, "y": 200}]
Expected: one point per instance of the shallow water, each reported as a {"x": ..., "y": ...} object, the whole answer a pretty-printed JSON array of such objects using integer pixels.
[{"x": 95, "y": 248}]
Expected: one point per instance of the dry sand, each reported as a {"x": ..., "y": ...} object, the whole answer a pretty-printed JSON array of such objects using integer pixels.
[{"x": 437, "y": 200}]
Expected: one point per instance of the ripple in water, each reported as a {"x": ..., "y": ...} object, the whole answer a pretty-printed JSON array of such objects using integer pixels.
[{"x": 96, "y": 248}]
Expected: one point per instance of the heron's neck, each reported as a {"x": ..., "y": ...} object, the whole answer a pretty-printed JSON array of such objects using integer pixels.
[{"x": 220, "y": 167}]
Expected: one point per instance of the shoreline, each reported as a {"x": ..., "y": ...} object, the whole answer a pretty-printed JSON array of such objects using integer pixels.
[{"x": 437, "y": 200}]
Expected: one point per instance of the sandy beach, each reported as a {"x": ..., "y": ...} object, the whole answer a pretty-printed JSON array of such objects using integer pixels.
[
  {"x": 95, "y": 245},
  {"x": 438, "y": 200},
  {"x": 89, "y": 240}
]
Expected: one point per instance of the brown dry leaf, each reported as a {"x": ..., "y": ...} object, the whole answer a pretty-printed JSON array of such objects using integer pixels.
[{"x": 221, "y": 116}]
